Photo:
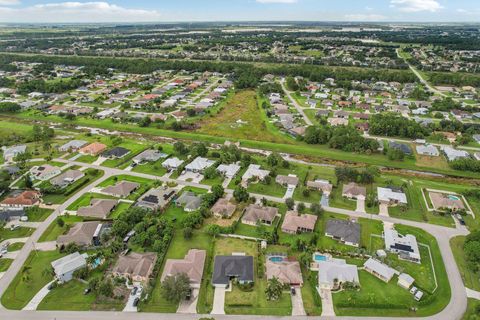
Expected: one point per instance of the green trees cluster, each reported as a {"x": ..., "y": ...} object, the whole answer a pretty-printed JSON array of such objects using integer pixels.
[
  {"x": 40, "y": 85},
  {"x": 348, "y": 174},
  {"x": 465, "y": 164},
  {"x": 9, "y": 107},
  {"x": 471, "y": 248},
  {"x": 391, "y": 125}
]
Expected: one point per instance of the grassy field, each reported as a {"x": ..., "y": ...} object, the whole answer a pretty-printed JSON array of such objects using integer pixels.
[
  {"x": 30, "y": 279},
  {"x": 38, "y": 214},
  {"x": 21, "y": 232},
  {"x": 241, "y": 107},
  {"x": 472, "y": 312},
  {"x": 5, "y": 264},
  {"x": 470, "y": 278},
  {"x": 15, "y": 246}
]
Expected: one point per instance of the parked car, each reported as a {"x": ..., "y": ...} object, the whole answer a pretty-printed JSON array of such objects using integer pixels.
[
  {"x": 135, "y": 302},
  {"x": 14, "y": 227},
  {"x": 293, "y": 291},
  {"x": 418, "y": 295},
  {"x": 24, "y": 218},
  {"x": 413, "y": 290},
  {"x": 189, "y": 294},
  {"x": 134, "y": 291},
  {"x": 50, "y": 286},
  {"x": 460, "y": 219}
]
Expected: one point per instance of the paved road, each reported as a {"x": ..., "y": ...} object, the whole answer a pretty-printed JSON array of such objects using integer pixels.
[
  {"x": 453, "y": 311},
  {"x": 296, "y": 104}
]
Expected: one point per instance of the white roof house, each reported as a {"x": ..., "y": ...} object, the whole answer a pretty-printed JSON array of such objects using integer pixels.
[
  {"x": 454, "y": 154},
  {"x": 149, "y": 155},
  {"x": 199, "y": 164},
  {"x": 229, "y": 170},
  {"x": 406, "y": 246},
  {"x": 172, "y": 163},
  {"x": 11, "y": 152},
  {"x": 66, "y": 266},
  {"x": 379, "y": 269},
  {"x": 405, "y": 280},
  {"x": 72, "y": 145},
  {"x": 254, "y": 171},
  {"x": 428, "y": 150},
  {"x": 389, "y": 195},
  {"x": 336, "y": 271}
]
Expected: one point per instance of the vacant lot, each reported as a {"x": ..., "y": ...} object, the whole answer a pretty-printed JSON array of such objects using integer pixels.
[{"x": 242, "y": 118}]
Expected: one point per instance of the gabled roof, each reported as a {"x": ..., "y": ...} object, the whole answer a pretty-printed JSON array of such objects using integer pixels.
[
  {"x": 294, "y": 221},
  {"x": 287, "y": 272},
  {"x": 199, "y": 164},
  {"x": 22, "y": 198},
  {"x": 192, "y": 265},
  {"x": 99, "y": 208},
  {"x": 69, "y": 263},
  {"x": 223, "y": 207},
  {"x": 255, "y": 213},
  {"x": 345, "y": 230},
  {"x": 380, "y": 268},
  {"x": 81, "y": 234},
  {"x": 136, "y": 264},
  {"x": 189, "y": 200},
  {"x": 117, "y": 152},
  {"x": 122, "y": 188}
]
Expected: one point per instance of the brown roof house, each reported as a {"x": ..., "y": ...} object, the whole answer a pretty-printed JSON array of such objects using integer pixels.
[
  {"x": 287, "y": 272},
  {"x": 82, "y": 234},
  {"x": 93, "y": 149},
  {"x": 257, "y": 214},
  {"x": 192, "y": 265},
  {"x": 98, "y": 208},
  {"x": 122, "y": 189},
  {"x": 297, "y": 223},
  {"x": 21, "y": 199},
  {"x": 136, "y": 266},
  {"x": 290, "y": 180},
  {"x": 223, "y": 208},
  {"x": 320, "y": 185},
  {"x": 446, "y": 201},
  {"x": 354, "y": 191}
]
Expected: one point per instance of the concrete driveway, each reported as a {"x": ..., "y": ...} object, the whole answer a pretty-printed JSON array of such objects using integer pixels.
[
  {"x": 33, "y": 304},
  {"x": 327, "y": 302},
  {"x": 297, "y": 303},
  {"x": 383, "y": 210},
  {"x": 219, "y": 301},
  {"x": 129, "y": 307},
  {"x": 360, "y": 205},
  {"x": 189, "y": 306}
]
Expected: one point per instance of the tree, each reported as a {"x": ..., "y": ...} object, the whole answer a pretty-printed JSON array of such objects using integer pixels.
[
  {"x": 187, "y": 233},
  {"x": 301, "y": 207},
  {"x": 316, "y": 209},
  {"x": 274, "y": 289},
  {"x": 179, "y": 147},
  {"x": 240, "y": 194},
  {"x": 290, "y": 203},
  {"x": 176, "y": 288},
  {"x": 60, "y": 222}
]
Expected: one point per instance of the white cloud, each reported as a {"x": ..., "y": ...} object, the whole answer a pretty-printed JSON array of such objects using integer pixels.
[
  {"x": 416, "y": 5},
  {"x": 277, "y": 1},
  {"x": 9, "y": 2},
  {"x": 364, "y": 17},
  {"x": 64, "y": 12}
]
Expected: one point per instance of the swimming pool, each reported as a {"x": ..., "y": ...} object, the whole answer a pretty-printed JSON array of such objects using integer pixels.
[
  {"x": 320, "y": 257},
  {"x": 452, "y": 197},
  {"x": 276, "y": 259}
]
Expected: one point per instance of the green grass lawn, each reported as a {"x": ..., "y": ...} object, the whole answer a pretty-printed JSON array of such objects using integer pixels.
[
  {"x": 177, "y": 250},
  {"x": 84, "y": 201},
  {"x": 272, "y": 189},
  {"x": 472, "y": 312},
  {"x": 87, "y": 158},
  {"x": 311, "y": 299},
  {"x": 5, "y": 264},
  {"x": 155, "y": 168},
  {"x": 21, "y": 232},
  {"x": 134, "y": 148},
  {"x": 36, "y": 214},
  {"x": 70, "y": 297},
  {"x": 15, "y": 246},
  {"x": 30, "y": 279},
  {"x": 54, "y": 230},
  {"x": 470, "y": 278}
]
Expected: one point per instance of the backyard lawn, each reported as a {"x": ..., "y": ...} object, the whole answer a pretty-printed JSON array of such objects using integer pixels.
[
  {"x": 470, "y": 278},
  {"x": 36, "y": 214},
  {"x": 21, "y": 232},
  {"x": 54, "y": 230},
  {"x": 5, "y": 264}
]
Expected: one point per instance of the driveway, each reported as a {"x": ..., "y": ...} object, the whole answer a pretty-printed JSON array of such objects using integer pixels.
[
  {"x": 218, "y": 301},
  {"x": 191, "y": 176},
  {"x": 289, "y": 193},
  {"x": 33, "y": 304},
  {"x": 297, "y": 303},
  {"x": 189, "y": 306},
  {"x": 325, "y": 201},
  {"x": 129, "y": 307},
  {"x": 383, "y": 210},
  {"x": 99, "y": 161},
  {"x": 473, "y": 294},
  {"x": 46, "y": 246},
  {"x": 327, "y": 303},
  {"x": 360, "y": 205}
]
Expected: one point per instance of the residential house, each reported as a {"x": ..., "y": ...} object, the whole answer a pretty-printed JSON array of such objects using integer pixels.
[
  {"x": 294, "y": 222},
  {"x": 405, "y": 246},
  {"x": 192, "y": 265},
  {"x": 67, "y": 178},
  {"x": 21, "y": 199},
  {"x": 321, "y": 185},
  {"x": 121, "y": 189},
  {"x": 7, "y": 214},
  {"x": 156, "y": 199},
  {"x": 98, "y": 208},
  {"x": 255, "y": 214},
  {"x": 379, "y": 269},
  {"x": 405, "y": 280},
  {"x": 9, "y": 153},
  {"x": 286, "y": 271},
  {"x": 290, "y": 180},
  {"x": 254, "y": 172},
  {"x": 401, "y": 146},
  {"x": 229, "y": 170},
  {"x": 93, "y": 149},
  {"x": 391, "y": 196},
  {"x": 44, "y": 172},
  {"x": 135, "y": 266},
  {"x": 454, "y": 154},
  {"x": 428, "y": 150},
  {"x": 345, "y": 231},
  {"x": 226, "y": 268},
  {"x": 334, "y": 122},
  {"x": 223, "y": 208},
  {"x": 72, "y": 145},
  {"x": 172, "y": 163},
  {"x": 115, "y": 153},
  {"x": 442, "y": 201},
  {"x": 66, "y": 266},
  {"x": 82, "y": 234},
  {"x": 149, "y": 156},
  {"x": 354, "y": 191},
  {"x": 332, "y": 273},
  {"x": 189, "y": 201}
]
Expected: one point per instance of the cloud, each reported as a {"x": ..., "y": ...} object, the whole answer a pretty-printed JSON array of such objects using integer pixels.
[
  {"x": 9, "y": 2},
  {"x": 416, "y": 5},
  {"x": 277, "y": 1},
  {"x": 364, "y": 17},
  {"x": 71, "y": 12}
]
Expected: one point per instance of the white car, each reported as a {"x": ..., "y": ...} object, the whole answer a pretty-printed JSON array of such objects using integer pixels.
[{"x": 413, "y": 290}]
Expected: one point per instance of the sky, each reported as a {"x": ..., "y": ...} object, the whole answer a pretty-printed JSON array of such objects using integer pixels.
[{"x": 75, "y": 11}]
